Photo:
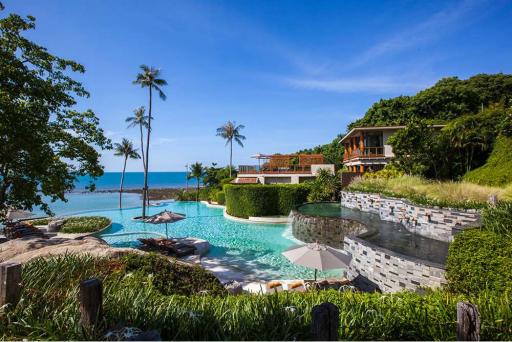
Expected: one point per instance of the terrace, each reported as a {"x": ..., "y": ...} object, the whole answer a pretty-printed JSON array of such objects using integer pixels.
[{"x": 282, "y": 168}]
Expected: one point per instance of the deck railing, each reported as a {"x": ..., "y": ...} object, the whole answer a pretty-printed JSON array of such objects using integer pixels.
[
  {"x": 256, "y": 169},
  {"x": 367, "y": 152}
]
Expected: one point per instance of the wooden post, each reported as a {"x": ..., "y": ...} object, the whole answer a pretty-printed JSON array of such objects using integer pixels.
[
  {"x": 468, "y": 322},
  {"x": 10, "y": 283},
  {"x": 90, "y": 298},
  {"x": 325, "y": 322}
]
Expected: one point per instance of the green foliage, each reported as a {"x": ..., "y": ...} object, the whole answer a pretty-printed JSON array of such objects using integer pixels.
[
  {"x": 216, "y": 177},
  {"x": 77, "y": 224},
  {"x": 389, "y": 171},
  {"x": 480, "y": 260},
  {"x": 264, "y": 200},
  {"x": 48, "y": 309},
  {"x": 448, "y": 99},
  {"x": 497, "y": 169},
  {"x": 221, "y": 197},
  {"x": 325, "y": 187},
  {"x": 171, "y": 277},
  {"x": 333, "y": 152},
  {"x": 45, "y": 143},
  {"x": 194, "y": 195},
  {"x": 498, "y": 219}
]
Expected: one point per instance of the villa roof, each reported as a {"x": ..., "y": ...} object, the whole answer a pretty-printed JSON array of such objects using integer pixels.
[{"x": 378, "y": 128}]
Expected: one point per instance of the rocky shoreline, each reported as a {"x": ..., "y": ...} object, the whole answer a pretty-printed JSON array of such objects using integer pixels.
[{"x": 157, "y": 194}]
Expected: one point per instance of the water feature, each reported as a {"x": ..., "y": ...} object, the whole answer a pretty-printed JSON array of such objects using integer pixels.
[
  {"x": 316, "y": 220},
  {"x": 251, "y": 249}
]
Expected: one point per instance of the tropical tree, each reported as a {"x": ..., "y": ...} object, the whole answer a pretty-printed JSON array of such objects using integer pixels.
[
  {"x": 126, "y": 150},
  {"x": 197, "y": 172},
  {"x": 149, "y": 78},
  {"x": 139, "y": 120},
  {"x": 44, "y": 143},
  {"x": 230, "y": 131}
]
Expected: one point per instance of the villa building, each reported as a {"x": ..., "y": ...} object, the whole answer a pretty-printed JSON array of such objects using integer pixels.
[
  {"x": 282, "y": 169},
  {"x": 367, "y": 149}
]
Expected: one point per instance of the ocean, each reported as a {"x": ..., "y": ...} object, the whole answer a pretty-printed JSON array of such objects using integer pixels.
[{"x": 135, "y": 180}]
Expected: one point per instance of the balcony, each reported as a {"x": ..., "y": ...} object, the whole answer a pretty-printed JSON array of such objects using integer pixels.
[
  {"x": 255, "y": 169},
  {"x": 367, "y": 152}
]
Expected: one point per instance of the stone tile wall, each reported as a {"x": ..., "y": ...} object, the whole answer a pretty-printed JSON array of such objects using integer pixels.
[
  {"x": 433, "y": 222},
  {"x": 377, "y": 268}
]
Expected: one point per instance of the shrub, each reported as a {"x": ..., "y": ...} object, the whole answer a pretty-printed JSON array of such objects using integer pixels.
[
  {"x": 389, "y": 171},
  {"x": 498, "y": 219},
  {"x": 48, "y": 308},
  {"x": 422, "y": 191},
  {"x": 191, "y": 195},
  {"x": 77, "y": 224},
  {"x": 497, "y": 170},
  {"x": 479, "y": 260},
  {"x": 264, "y": 200},
  {"x": 221, "y": 197},
  {"x": 325, "y": 187}
]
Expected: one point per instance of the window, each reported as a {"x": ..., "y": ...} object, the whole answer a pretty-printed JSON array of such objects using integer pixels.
[{"x": 373, "y": 139}]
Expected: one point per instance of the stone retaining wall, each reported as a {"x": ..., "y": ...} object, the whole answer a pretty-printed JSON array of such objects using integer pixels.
[
  {"x": 325, "y": 230},
  {"x": 433, "y": 222},
  {"x": 374, "y": 268}
]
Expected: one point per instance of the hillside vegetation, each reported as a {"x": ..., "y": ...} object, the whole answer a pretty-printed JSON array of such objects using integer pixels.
[{"x": 497, "y": 171}]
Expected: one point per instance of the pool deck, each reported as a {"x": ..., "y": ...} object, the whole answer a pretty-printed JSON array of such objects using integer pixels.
[{"x": 259, "y": 220}]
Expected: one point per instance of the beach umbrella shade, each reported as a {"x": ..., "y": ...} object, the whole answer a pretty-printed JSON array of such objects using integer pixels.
[
  {"x": 16, "y": 214},
  {"x": 165, "y": 217},
  {"x": 318, "y": 256}
]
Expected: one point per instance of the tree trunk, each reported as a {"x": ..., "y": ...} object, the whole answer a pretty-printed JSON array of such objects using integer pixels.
[
  {"x": 145, "y": 190},
  {"x": 230, "y": 156},
  {"x": 142, "y": 147},
  {"x": 197, "y": 193},
  {"x": 122, "y": 182}
]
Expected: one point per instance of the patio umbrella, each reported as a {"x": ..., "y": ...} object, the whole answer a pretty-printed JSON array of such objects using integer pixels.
[
  {"x": 318, "y": 256},
  {"x": 165, "y": 217}
]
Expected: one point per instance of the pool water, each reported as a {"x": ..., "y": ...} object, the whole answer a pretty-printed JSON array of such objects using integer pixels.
[
  {"x": 252, "y": 249},
  {"x": 389, "y": 235}
]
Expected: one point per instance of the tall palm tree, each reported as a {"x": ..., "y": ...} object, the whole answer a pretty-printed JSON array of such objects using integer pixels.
[
  {"x": 149, "y": 78},
  {"x": 140, "y": 120},
  {"x": 197, "y": 172},
  {"x": 230, "y": 131},
  {"x": 125, "y": 149}
]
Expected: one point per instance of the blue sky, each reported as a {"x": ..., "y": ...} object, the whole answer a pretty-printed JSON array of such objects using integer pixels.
[{"x": 295, "y": 73}]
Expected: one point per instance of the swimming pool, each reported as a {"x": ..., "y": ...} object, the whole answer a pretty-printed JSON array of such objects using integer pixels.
[{"x": 252, "y": 249}]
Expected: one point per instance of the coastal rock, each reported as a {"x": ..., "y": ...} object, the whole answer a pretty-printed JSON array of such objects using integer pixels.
[
  {"x": 24, "y": 249},
  {"x": 55, "y": 226},
  {"x": 234, "y": 287}
]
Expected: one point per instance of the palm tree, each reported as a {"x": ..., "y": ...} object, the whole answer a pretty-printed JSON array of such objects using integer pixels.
[
  {"x": 230, "y": 131},
  {"x": 197, "y": 172},
  {"x": 125, "y": 149},
  {"x": 139, "y": 120},
  {"x": 149, "y": 78}
]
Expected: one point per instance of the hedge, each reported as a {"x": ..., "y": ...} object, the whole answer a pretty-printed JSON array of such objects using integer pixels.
[
  {"x": 479, "y": 260},
  {"x": 221, "y": 197},
  {"x": 264, "y": 200}
]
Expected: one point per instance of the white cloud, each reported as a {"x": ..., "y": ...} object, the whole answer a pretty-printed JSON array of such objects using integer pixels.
[{"x": 363, "y": 84}]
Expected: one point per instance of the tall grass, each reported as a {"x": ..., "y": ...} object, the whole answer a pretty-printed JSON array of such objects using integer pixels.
[
  {"x": 49, "y": 309},
  {"x": 417, "y": 189}
]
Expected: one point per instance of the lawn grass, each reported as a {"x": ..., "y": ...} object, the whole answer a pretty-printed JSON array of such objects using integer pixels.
[
  {"x": 49, "y": 308},
  {"x": 422, "y": 191}
]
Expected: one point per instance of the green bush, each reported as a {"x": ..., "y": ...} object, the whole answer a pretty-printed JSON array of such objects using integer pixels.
[
  {"x": 221, "y": 197},
  {"x": 497, "y": 170},
  {"x": 479, "y": 260},
  {"x": 78, "y": 224},
  {"x": 389, "y": 171},
  {"x": 498, "y": 219},
  {"x": 48, "y": 309},
  {"x": 264, "y": 200}
]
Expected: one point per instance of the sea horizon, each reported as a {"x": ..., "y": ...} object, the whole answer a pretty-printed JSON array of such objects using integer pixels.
[{"x": 135, "y": 180}]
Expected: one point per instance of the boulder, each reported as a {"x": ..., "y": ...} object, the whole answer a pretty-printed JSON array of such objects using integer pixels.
[
  {"x": 234, "y": 287},
  {"x": 55, "y": 225}
]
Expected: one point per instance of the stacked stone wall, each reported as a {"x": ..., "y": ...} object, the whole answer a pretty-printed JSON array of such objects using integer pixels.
[{"x": 433, "y": 222}]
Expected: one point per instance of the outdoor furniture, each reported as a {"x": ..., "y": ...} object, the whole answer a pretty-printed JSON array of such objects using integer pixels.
[
  {"x": 297, "y": 286},
  {"x": 318, "y": 257},
  {"x": 21, "y": 229},
  {"x": 274, "y": 287},
  {"x": 169, "y": 246}
]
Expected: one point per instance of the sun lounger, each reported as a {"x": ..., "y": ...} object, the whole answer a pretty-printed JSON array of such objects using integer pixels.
[
  {"x": 274, "y": 287},
  {"x": 297, "y": 286}
]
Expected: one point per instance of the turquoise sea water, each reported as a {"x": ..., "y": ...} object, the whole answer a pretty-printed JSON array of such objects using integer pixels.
[
  {"x": 252, "y": 249},
  {"x": 132, "y": 180}
]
